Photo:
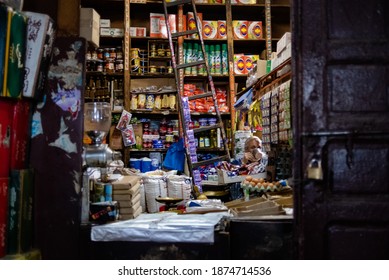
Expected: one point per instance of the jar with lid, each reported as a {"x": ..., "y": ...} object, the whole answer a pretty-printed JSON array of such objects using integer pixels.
[
  {"x": 161, "y": 50},
  {"x": 153, "y": 69},
  {"x": 119, "y": 65},
  {"x": 106, "y": 53},
  {"x": 119, "y": 52},
  {"x": 153, "y": 49},
  {"x": 99, "y": 54},
  {"x": 109, "y": 65},
  {"x": 112, "y": 53},
  {"x": 88, "y": 55},
  {"x": 99, "y": 66}
]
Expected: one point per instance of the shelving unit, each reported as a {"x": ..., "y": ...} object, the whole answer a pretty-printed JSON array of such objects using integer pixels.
[{"x": 138, "y": 15}]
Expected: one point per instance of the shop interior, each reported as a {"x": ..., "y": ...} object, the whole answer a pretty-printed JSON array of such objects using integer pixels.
[{"x": 177, "y": 129}]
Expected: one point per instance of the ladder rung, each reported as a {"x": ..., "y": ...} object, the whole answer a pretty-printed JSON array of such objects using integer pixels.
[
  {"x": 206, "y": 128},
  {"x": 190, "y": 64},
  {"x": 198, "y": 96},
  {"x": 184, "y": 33},
  {"x": 209, "y": 161},
  {"x": 177, "y": 3}
]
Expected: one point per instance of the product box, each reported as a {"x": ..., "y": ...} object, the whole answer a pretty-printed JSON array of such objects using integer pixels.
[
  {"x": 6, "y": 108},
  {"x": 16, "y": 56},
  {"x": 3, "y": 214},
  {"x": 40, "y": 38},
  {"x": 284, "y": 41},
  {"x": 112, "y": 32},
  {"x": 103, "y": 212},
  {"x": 261, "y": 68},
  {"x": 240, "y": 29},
  {"x": 239, "y": 64},
  {"x": 209, "y": 29},
  {"x": 90, "y": 25},
  {"x": 138, "y": 31},
  {"x": 221, "y": 29},
  {"x": 105, "y": 23},
  {"x": 158, "y": 25},
  {"x": 5, "y": 13},
  {"x": 255, "y": 30},
  {"x": 20, "y": 134},
  {"x": 191, "y": 22},
  {"x": 249, "y": 62}
]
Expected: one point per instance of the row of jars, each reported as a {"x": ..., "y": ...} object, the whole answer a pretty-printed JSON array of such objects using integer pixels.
[{"x": 108, "y": 60}]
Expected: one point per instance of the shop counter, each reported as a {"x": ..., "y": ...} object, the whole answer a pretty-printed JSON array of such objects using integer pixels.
[
  {"x": 161, "y": 227},
  {"x": 160, "y": 236}
]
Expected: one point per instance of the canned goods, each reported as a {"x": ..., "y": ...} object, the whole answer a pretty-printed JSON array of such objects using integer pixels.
[
  {"x": 161, "y": 52},
  {"x": 135, "y": 64},
  {"x": 168, "y": 52},
  {"x": 134, "y": 52},
  {"x": 153, "y": 69},
  {"x": 153, "y": 53}
]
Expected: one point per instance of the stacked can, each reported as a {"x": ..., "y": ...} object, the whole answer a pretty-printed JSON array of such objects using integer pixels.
[{"x": 134, "y": 60}]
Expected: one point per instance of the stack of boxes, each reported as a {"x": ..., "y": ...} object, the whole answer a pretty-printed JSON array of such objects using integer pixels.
[{"x": 126, "y": 192}]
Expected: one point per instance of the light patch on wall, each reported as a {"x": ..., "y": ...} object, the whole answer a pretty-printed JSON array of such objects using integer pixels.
[{"x": 63, "y": 141}]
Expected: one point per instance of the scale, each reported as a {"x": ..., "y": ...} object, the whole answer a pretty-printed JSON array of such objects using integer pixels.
[{"x": 170, "y": 202}]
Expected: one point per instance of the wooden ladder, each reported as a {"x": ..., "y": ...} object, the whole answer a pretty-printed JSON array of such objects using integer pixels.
[{"x": 183, "y": 101}]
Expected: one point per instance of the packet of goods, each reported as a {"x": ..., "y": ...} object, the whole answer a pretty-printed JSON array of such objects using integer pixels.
[{"x": 124, "y": 120}]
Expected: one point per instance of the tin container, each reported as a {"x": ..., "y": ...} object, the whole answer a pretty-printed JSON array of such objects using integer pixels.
[{"x": 153, "y": 69}]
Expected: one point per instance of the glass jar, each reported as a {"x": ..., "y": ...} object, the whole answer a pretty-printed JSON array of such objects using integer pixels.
[
  {"x": 119, "y": 53},
  {"x": 112, "y": 53},
  {"x": 99, "y": 54},
  {"x": 119, "y": 65}
]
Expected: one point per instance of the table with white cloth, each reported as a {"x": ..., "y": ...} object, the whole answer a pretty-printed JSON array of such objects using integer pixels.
[{"x": 161, "y": 236}]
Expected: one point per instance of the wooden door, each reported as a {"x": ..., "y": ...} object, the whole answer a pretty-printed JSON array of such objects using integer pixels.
[{"x": 341, "y": 116}]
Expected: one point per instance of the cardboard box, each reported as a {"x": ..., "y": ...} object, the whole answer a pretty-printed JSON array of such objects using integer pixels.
[
  {"x": 138, "y": 31},
  {"x": 255, "y": 30},
  {"x": 249, "y": 62},
  {"x": 225, "y": 179},
  {"x": 221, "y": 29},
  {"x": 39, "y": 44},
  {"x": 4, "y": 185},
  {"x": 239, "y": 64},
  {"x": 209, "y": 29},
  {"x": 191, "y": 22},
  {"x": 240, "y": 29},
  {"x": 158, "y": 25},
  {"x": 105, "y": 23},
  {"x": 90, "y": 25},
  {"x": 284, "y": 41},
  {"x": 6, "y": 109},
  {"x": 20, "y": 134},
  {"x": 112, "y": 32}
]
